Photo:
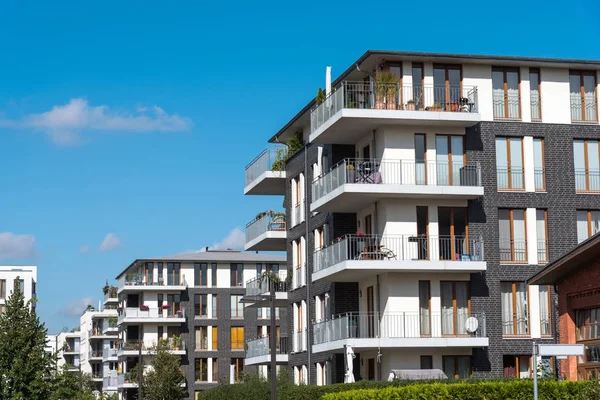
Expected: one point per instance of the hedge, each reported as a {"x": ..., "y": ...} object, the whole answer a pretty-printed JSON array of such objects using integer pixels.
[{"x": 494, "y": 390}]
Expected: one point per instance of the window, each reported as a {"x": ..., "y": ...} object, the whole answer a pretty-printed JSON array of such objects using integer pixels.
[
  {"x": 420, "y": 159},
  {"x": 450, "y": 160},
  {"x": 513, "y": 245},
  {"x": 214, "y": 274},
  {"x": 457, "y": 367},
  {"x": 515, "y": 308},
  {"x": 583, "y": 96},
  {"x": 174, "y": 302},
  {"x": 509, "y": 163},
  {"x": 588, "y": 324},
  {"x": 215, "y": 338},
  {"x": 2, "y": 288},
  {"x": 426, "y": 362},
  {"x": 541, "y": 227},
  {"x": 586, "y": 154},
  {"x": 200, "y": 305},
  {"x": 149, "y": 273},
  {"x": 447, "y": 82},
  {"x": 517, "y": 366},
  {"x": 159, "y": 267},
  {"x": 200, "y": 274},
  {"x": 506, "y": 87},
  {"x": 322, "y": 307},
  {"x": 201, "y": 338},
  {"x": 238, "y": 368},
  {"x": 538, "y": 165},
  {"x": 425, "y": 307},
  {"x": 215, "y": 367},
  {"x": 545, "y": 311},
  {"x": 160, "y": 300},
  {"x": 161, "y": 332},
  {"x": 456, "y": 307},
  {"x": 214, "y": 306},
  {"x": 588, "y": 224},
  {"x": 237, "y": 338},
  {"x": 258, "y": 270},
  {"x": 237, "y": 308},
  {"x": 417, "y": 82},
  {"x": 237, "y": 275},
  {"x": 534, "y": 94},
  {"x": 173, "y": 273},
  {"x": 201, "y": 369}
]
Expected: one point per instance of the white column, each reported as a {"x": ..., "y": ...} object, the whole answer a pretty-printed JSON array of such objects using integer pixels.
[
  {"x": 531, "y": 236},
  {"x": 525, "y": 95},
  {"x": 434, "y": 232},
  {"x": 208, "y": 337},
  {"x": 209, "y": 370},
  {"x": 529, "y": 164},
  {"x": 534, "y": 310},
  {"x": 428, "y": 82}
]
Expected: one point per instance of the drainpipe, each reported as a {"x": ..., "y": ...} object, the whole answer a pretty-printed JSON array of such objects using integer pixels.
[
  {"x": 308, "y": 278},
  {"x": 378, "y": 315}
]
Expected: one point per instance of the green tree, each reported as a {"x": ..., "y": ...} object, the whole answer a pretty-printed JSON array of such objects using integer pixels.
[
  {"x": 163, "y": 380},
  {"x": 72, "y": 386},
  {"x": 24, "y": 365}
]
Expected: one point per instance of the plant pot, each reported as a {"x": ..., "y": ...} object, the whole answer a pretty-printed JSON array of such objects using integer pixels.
[
  {"x": 411, "y": 107},
  {"x": 379, "y": 105}
]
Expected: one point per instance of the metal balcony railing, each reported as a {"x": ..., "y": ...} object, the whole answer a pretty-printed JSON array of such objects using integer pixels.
[
  {"x": 262, "y": 284},
  {"x": 361, "y": 95},
  {"x": 396, "y": 172},
  {"x": 262, "y": 346},
  {"x": 513, "y": 250},
  {"x": 584, "y": 108},
  {"x": 299, "y": 276},
  {"x": 137, "y": 312},
  {"x": 536, "y": 109},
  {"x": 587, "y": 180},
  {"x": 510, "y": 178},
  {"x": 264, "y": 162},
  {"x": 96, "y": 354},
  {"x": 300, "y": 343},
  {"x": 109, "y": 353},
  {"x": 400, "y": 325},
  {"x": 542, "y": 251},
  {"x": 141, "y": 280},
  {"x": 265, "y": 224},
  {"x": 398, "y": 247},
  {"x": 539, "y": 179},
  {"x": 134, "y": 345},
  {"x": 507, "y": 105},
  {"x": 109, "y": 382}
]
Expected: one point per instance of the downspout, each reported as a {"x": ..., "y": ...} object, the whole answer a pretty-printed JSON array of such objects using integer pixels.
[
  {"x": 379, "y": 315},
  {"x": 308, "y": 278}
]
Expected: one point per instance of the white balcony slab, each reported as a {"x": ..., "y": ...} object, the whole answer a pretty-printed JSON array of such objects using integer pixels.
[
  {"x": 268, "y": 241},
  {"x": 156, "y": 287},
  {"x": 395, "y": 343},
  {"x": 266, "y": 359},
  {"x": 267, "y": 183}
]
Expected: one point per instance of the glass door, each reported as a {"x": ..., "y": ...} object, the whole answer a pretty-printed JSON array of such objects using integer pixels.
[
  {"x": 447, "y": 87},
  {"x": 450, "y": 159}
]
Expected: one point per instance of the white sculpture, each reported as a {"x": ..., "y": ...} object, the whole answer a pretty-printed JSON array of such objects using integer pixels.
[{"x": 350, "y": 356}]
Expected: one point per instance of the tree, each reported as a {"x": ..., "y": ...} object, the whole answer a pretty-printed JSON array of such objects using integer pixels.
[
  {"x": 163, "y": 379},
  {"x": 72, "y": 386},
  {"x": 24, "y": 365}
]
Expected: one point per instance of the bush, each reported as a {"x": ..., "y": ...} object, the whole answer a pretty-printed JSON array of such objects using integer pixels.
[{"x": 492, "y": 390}]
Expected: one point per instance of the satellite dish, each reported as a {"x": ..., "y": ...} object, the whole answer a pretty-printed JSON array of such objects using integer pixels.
[{"x": 471, "y": 324}]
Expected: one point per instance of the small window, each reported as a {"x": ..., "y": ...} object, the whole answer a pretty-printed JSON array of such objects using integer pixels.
[
  {"x": 515, "y": 309},
  {"x": 509, "y": 164},
  {"x": 237, "y": 275},
  {"x": 237, "y": 338},
  {"x": 426, "y": 362},
  {"x": 237, "y": 308},
  {"x": 201, "y": 369},
  {"x": 200, "y": 305},
  {"x": 513, "y": 242}
]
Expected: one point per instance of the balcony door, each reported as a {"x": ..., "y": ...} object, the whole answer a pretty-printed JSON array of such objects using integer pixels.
[
  {"x": 149, "y": 273},
  {"x": 422, "y": 239},
  {"x": 370, "y": 313},
  {"x": 454, "y": 232},
  {"x": 583, "y": 96},
  {"x": 425, "y": 308},
  {"x": 420, "y": 159},
  {"x": 447, "y": 91},
  {"x": 456, "y": 307},
  {"x": 506, "y": 93},
  {"x": 450, "y": 159}
]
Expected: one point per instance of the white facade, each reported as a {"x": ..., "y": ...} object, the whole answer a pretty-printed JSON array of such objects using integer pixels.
[
  {"x": 26, "y": 273},
  {"x": 68, "y": 345}
]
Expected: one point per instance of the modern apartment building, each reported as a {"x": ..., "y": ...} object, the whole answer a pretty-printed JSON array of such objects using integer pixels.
[
  {"x": 428, "y": 189},
  {"x": 194, "y": 301},
  {"x": 68, "y": 346},
  {"x": 27, "y": 275}
]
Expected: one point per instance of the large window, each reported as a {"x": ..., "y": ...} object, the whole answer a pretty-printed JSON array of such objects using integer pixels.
[
  {"x": 201, "y": 369},
  {"x": 2, "y": 288},
  {"x": 583, "y": 96},
  {"x": 534, "y": 94},
  {"x": 447, "y": 82},
  {"x": 238, "y": 368},
  {"x": 516, "y": 366},
  {"x": 200, "y": 274},
  {"x": 588, "y": 331},
  {"x": 509, "y": 163},
  {"x": 173, "y": 274},
  {"x": 506, "y": 84},
  {"x": 450, "y": 160},
  {"x": 201, "y": 305},
  {"x": 588, "y": 324},
  {"x": 515, "y": 309},
  {"x": 456, "y": 305},
  {"x": 588, "y": 224},
  {"x": 215, "y": 365},
  {"x": 215, "y": 338},
  {"x": 425, "y": 307},
  {"x": 586, "y": 154},
  {"x": 174, "y": 302},
  {"x": 457, "y": 367},
  {"x": 541, "y": 227},
  {"x": 539, "y": 165},
  {"x": 545, "y": 311},
  {"x": 237, "y": 338},
  {"x": 237, "y": 275},
  {"x": 214, "y": 274},
  {"x": 149, "y": 273},
  {"x": 417, "y": 82},
  {"x": 237, "y": 308},
  {"x": 513, "y": 245},
  {"x": 201, "y": 338},
  {"x": 214, "y": 306},
  {"x": 420, "y": 159}
]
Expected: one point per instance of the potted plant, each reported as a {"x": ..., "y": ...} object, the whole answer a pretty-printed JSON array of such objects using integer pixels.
[
  {"x": 321, "y": 96},
  {"x": 144, "y": 307},
  {"x": 411, "y": 105},
  {"x": 112, "y": 292},
  {"x": 386, "y": 90},
  {"x": 177, "y": 342},
  {"x": 435, "y": 107},
  {"x": 350, "y": 172}
]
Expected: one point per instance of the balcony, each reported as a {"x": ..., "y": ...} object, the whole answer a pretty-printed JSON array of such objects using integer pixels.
[
  {"x": 135, "y": 315},
  {"x": 258, "y": 351},
  {"x": 584, "y": 107},
  {"x": 110, "y": 354},
  {"x": 139, "y": 283},
  {"x": 353, "y": 108},
  {"x": 111, "y": 294},
  {"x": 299, "y": 276},
  {"x": 356, "y": 257},
  {"x": 507, "y": 105},
  {"x": 96, "y": 355},
  {"x": 124, "y": 381},
  {"x": 97, "y": 376},
  {"x": 300, "y": 343},
  {"x": 266, "y": 173},
  {"x": 109, "y": 383},
  {"x": 370, "y": 331},
  {"x": 132, "y": 347},
  {"x": 353, "y": 184},
  {"x": 98, "y": 333},
  {"x": 267, "y": 233},
  {"x": 261, "y": 286},
  {"x": 110, "y": 327}
]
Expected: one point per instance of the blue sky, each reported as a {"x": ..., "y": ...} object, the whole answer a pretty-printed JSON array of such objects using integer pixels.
[{"x": 125, "y": 126}]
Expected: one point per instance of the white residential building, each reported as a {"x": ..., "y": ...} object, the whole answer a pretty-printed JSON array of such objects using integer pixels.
[{"x": 27, "y": 274}]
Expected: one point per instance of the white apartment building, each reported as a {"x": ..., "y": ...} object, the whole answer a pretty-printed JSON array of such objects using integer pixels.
[
  {"x": 68, "y": 345},
  {"x": 27, "y": 275}
]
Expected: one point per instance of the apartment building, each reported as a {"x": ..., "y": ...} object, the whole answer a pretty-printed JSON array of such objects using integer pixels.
[
  {"x": 68, "y": 346},
  {"x": 27, "y": 275},
  {"x": 194, "y": 301},
  {"x": 429, "y": 188}
]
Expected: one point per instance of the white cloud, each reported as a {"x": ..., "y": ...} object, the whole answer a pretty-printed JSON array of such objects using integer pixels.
[
  {"x": 84, "y": 249},
  {"x": 65, "y": 123},
  {"x": 77, "y": 307},
  {"x": 110, "y": 242},
  {"x": 16, "y": 246},
  {"x": 235, "y": 240}
]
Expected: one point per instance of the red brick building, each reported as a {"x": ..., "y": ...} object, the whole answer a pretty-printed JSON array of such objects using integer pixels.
[{"x": 576, "y": 278}]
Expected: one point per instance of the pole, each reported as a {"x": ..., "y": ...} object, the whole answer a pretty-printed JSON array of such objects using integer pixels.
[
  {"x": 140, "y": 364},
  {"x": 80, "y": 381},
  {"x": 273, "y": 340},
  {"x": 535, "y": 384}
]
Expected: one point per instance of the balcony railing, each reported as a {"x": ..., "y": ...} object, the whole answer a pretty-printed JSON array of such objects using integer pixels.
[
  {"x": 536, "y": 110},
  {"x": 109, "y": 382},
  {"x": 361, "y": 95},
  {"x": 262, "y": 346},
  {"x": 396, "y": 172},
  {"x": 584, "y": 108},
  {"x": 263, "y": 225},
  {"x": 298, "y": 213},
  {"x": 399, "y": 247},
  {"x": 511, "y": 178},
  {"x": 97, "y": 375},
  {"x": 587, "y": 180},
  {"x": 96, "y": 354},
  {"x": 264, "y": 162},
  {"x": 262, "y": 284},
  {"x": 109, "y": 353},
  {"x": 546, "y": 324},
  {"x": 507, "y": 105},
  {"x": 141, "y": 280},
  {"x": 111, "y": 293},
  {"x": 539, "y": 179},
  {"x": 134, "y": 345},
  {"x": 513, "y": 250},
  {"x": 109, "y": 326},
  {"x": 400, "y": 325},
  {"x": 300, "y": 341},
  {"x": 299, "y": 276},
  {"x": 542, "y": 251},
  {"x": 135, "y": 312},
  {"x": 126, "y": 378}
]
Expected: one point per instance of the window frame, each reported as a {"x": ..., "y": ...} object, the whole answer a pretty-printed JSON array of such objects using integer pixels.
[
  {"x": 199, "y": 363},
  {"x": 236, "y": 274},
  {"x": 509, "y": 165},
  {"x": 430, "y": 361},
  {"x": 456, "y": 369},
  {"x": 199, "y": 331},
  {"x": 215, "y": 338},
  {"x": 586, "y": 157},
  {"x": 582, "y": 73},
  {"x": 215, "y": 304},
  {"x": 239, "y": 307},
  {"x": 539, "y": 90},
  {"x": 514, "y": 309},
  {"x": 236, "y": 345},
  {"x": 200, "y": 301},
  {"x": 504, "y": 71},
  {"x": 543, "y": 188},
  {"x": 512, "y": 235},
  {"x": 214, "y": 270},
  {"x": 454, "y": 304}
]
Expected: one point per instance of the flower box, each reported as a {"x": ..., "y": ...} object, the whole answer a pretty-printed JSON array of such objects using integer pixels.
[{"x": 144, "y": 307}]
